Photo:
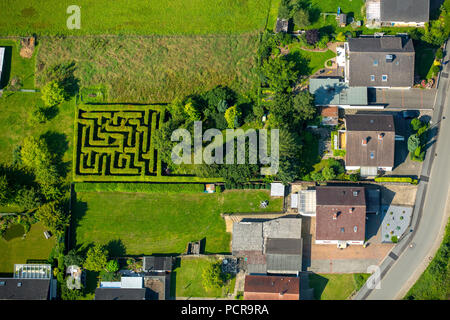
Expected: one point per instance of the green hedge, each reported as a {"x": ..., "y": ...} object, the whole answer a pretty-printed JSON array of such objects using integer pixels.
[
  {"x": 140, "y": 187},
  {"x": 396, "y": 179}
]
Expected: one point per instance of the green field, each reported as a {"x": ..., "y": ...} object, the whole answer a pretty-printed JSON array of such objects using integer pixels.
[
  {"x": 155, "y": 69},
  {"x": 18, "y": 250},
  {"x": 161, "y": 223},
  {"x": 186, "y": 280},
  {"x": 22, "y": 17},
  {"x": 15, "y": 65},
  {"x": 335, "y": 286}
]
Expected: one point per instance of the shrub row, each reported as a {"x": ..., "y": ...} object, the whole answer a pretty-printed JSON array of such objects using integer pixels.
[
  {"x": 248, "y": 186},
  {"x": 396, "y": 179},
  {"x": 140, "y": 187}
]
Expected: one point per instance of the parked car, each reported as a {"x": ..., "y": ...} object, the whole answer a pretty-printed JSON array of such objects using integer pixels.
[{"x": 410, "y": 114}]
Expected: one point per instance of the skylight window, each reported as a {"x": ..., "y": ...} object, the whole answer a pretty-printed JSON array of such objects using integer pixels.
[
  {"x": 384, "y": 77},
  {"x": 355, "y": 229},
  {"x": 375, "y": 63},
  {"x": 372, "y": 155},
  {"x": 372, "y": 77},
  {"x": 342, "y": 230}
]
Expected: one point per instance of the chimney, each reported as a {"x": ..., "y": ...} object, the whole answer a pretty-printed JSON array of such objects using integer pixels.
[
  {"x": 380, "y": 136},
  {"x": 364, "y": 141},
  {"x": 350, "y": 210}
]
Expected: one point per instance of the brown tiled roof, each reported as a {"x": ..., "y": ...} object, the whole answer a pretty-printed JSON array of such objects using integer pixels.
[
  {"x": 330, "y": 112},
  {"x": 340, "y": 201},
  {"x": 271, "y": 288},
  {"x": 378, "y": 131}
]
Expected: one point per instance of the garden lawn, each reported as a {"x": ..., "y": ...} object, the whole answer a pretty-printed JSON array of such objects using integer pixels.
[
  {"x": 308, "y": 62},
  {"x": 186, "y": 280},
  {"x": 335, "y": 286},
  {"x": 161, "y": 223},
  {"x": 20, "y": 17},
  {"x": 15, "y": 108},
  {"x": 15, "y": 65},
  {"x": 424, "y": 59},
  {"x": 33, "y": 247},
  {"x": 155, "y": 69}
]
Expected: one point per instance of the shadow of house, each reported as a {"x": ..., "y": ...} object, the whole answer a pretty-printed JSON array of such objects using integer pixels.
[
  {"x": 318, "y": 283},
  {"x": 5, "y": 70}
]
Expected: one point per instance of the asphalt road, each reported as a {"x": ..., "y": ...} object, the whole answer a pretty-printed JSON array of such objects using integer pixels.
[{"x": 429, "y": 212}]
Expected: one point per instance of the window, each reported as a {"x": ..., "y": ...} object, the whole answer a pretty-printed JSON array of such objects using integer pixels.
[
  {"x": 342, "y": 230},
  {"x": 372, "y": 155},
  {"x": 372, "y": 77},
  {"x": 375, "y": 63},
  {"x": 355, "y": 229},
  {"x": 384, "y": 77}
]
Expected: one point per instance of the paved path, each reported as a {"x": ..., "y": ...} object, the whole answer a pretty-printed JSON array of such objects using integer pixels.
[{"x": 399, "y": 269}]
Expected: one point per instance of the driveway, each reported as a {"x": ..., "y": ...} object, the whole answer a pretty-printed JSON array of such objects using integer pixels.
[
  {"x": 329, "y": 259},
  {"x": 413, "y": 98}
]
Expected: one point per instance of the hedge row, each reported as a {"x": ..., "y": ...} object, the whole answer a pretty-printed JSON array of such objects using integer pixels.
[
  {"x": 140, "y": 187},
  {"x": 396, "y": 179},
  {"x": 247, "y": 186}
]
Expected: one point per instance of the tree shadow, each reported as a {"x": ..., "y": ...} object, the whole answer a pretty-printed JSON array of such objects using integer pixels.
[
  {"x": 301, "y": 62},
  {"x": 58, "y": 145},
  {"x": 51, "y": 112},
  {"x": 79, "y": 209},
  {"x": 116, "y": 248},
  {"x": 318, "y": 283}
]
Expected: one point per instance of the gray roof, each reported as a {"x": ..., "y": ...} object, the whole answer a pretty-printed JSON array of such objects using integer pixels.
[
  {"x": 284, "y": 246},
  {"x": 386, "y": 56},
  {"x": 247, "y": 236},
  {"x": 332, "y": 92},
  {"x": 405, "y": 10},
  {"x": 24, "y": 289},
  {"x": 152, "y": 263},
  {"x": 370, "y": 122},
  {"x": 289, "y": 228},
  {"x": 120, "y": 294},
  {"x": 257, "y": 268},
  {"x": 284, "y": 263}
]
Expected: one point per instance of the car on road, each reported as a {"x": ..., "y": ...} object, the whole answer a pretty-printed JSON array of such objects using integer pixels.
[{"x": 410, "y": 114}]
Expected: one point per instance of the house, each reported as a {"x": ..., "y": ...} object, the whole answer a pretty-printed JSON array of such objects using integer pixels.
[
  {"x": 340, "y": 215},
  {"x": 369, "y": 143},
  {"x": 282, "y": 25},
  {"x": 30, "y": 282},
  {"x": 269, "y": 246},
  {"x": 271, "y": 288},
  {"x": 120, "y": 294},
  {"x": 398, "y": 13},
  {"x": 379, "y": 62},
  {"x": 333, "y": 92},
  {"x": 157, "y": 264}
]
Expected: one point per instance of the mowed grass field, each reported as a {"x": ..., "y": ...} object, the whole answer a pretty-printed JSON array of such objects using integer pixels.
[
  {"x": 155, "y": 69},
  {"x": 334, "y": 286},
  {"x": 21, "y": 17},
  {"x": 161, "y": 223},
  {"x": 18, "y": 250}
]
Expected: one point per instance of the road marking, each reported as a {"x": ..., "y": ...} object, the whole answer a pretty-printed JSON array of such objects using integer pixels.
[{"x": 393, "y": 256}]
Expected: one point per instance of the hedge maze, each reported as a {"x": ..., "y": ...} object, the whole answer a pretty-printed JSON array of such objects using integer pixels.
[{"x": 114, "y": 142}]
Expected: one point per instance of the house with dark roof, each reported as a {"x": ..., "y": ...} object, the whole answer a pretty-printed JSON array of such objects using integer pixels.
[
  {"x": 157, "y": 264},
  {"x": 379, "y": 62},
  {"x": 269, "y": 246},
  {"x": 369, "y": 143},
  {"x": 136, "y": 287},
  {"x": 340, "y": 215},
  {"x": 121, "y": 294},
  {"x": 271, "y": 288},
  {"x": 398, "y": 13}
]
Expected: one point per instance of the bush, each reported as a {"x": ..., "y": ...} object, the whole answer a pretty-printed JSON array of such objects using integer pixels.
[
  {"x": 439, "y": 54},
  {"x": 218, "y": 189},
  {"x": 140, "y": 187},
  {"x": 354, "y": 177},
  {"x": 301, "y": 18},
  {"x": 394, "y": 239},
  {"x": 416, "y": 124},
  {"x": 312, "y": 36},
  {"x": 435, "y": 69},
  {"x": 53, "y": 93},
  {"x": 396, "y": 179}
]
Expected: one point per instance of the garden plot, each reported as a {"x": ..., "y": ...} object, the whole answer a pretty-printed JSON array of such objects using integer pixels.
[{"x": 396, "y": 220}]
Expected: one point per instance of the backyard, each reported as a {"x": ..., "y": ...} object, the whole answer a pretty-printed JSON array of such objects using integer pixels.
[
  {"x": 161, "y": 222},
  {"x": 308, "y": 62},
  {"x": 18, "y": 250},
  {"x": 186, "y": 280},
  {"x": 336, "y": 286},
  {"x": 136, "y": 17}
]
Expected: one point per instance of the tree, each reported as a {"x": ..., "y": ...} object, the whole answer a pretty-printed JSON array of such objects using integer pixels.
[
  {"x": 73, "y": 258},
  {"x": 96, "y": 258},
  {"x": 212, "y": 276},
  {"x": 34, "y": 153},
  {"x": 232, "y": 117},
  {"x": 4, "y": 190},
  {"x": 37, "y": 115},
  {"x": 439, "y": 54},
  {"x": 288, "y": 170},
  {"x": 301, "y": 18},
  {"x": 112, "y": 266},
  {"x": 53, "y": 217},
  {"x": 28, "y": 198},
  {"x": 340, "y": 37},
  {"x": 284, "y": 9},
  {"x": 279, "y": 73},
  {"x": 328, "y": 173},
  {"x": 317, "y": 176},
  {"x": 413, "y": 142},
  {"x": 192, "y": 112},
  {"x": 303, "y": 107},
  {"x": 312, "y": 36},
  {"x": 53, "y": 93},
  {"x": 416, "y": 124}
]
